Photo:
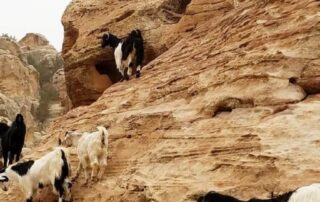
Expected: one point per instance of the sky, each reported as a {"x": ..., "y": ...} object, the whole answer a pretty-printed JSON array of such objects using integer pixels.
[{"x": 18, "y": 17}]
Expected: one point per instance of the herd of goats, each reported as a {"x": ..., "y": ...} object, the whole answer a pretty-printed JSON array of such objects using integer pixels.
[{"x": 53, "y": 169}]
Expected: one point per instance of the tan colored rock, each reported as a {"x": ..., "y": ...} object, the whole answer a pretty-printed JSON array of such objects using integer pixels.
[
  {"x": 10, "y": 47},
  {"x": 19, "y": 83},
  {"x": 85, "y": 60},
  {"x": 39, "y": 53},
  {"x": 8, "y": 108},
  {"x": 34, "y": 40},
  {"x": 227, "y": 108}
]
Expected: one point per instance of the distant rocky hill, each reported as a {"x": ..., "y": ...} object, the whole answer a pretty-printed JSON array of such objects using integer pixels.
[
  {"x": 47, "y": 61},
  {"x": 19, "y": 83},
  {"x": 26, "y": 83}
]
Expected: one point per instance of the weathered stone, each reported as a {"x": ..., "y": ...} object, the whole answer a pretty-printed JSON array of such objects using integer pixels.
[
  {"x": 91, "y": 69},
  {"x": 228, "y": 107},
  {"x": 33, "y": 40},
  {"x": 19, "y": 83}
]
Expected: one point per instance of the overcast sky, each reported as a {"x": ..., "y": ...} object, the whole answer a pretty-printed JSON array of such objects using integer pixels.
[{"x": 18, "y": 17}]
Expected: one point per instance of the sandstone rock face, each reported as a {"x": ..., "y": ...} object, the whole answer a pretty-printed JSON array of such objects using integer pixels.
[
  {"x": 232, "y": 106},
  {"x": 34, "y": 40},
  {"x": 91, "y": 69},
  {"x": 19, "y": 83}
]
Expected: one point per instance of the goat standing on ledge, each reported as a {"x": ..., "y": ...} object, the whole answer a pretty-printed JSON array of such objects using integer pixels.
[
  {"x": 126, "y": 52},
  {"x": 92, "y": 151},
  {"x": 309, "y": 193}
]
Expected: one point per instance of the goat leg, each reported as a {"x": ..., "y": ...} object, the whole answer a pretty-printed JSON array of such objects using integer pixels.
[{"x": 126, "y": 77}]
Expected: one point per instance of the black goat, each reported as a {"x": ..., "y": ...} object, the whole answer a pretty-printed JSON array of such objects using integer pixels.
[
  {"x": 310, "y": 193},
  {"x": 126, "y": 51},
  {"x": 3, "y": 129},
  {"x": 217, "y": 197},
  {"x": 13, "y": 141}
]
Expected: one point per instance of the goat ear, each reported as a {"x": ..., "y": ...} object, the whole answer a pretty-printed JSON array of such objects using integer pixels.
[{"x": 4, "y": 179}]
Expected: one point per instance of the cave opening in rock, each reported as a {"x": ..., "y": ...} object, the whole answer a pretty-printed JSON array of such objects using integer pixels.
[
  {"x": 172, "y": 10},
  {"x": 293, "y": 80},
  {"x": 221, "y": 109},
  {"x": 183, "y": 5},
  {"x": 109, "y": 68}
]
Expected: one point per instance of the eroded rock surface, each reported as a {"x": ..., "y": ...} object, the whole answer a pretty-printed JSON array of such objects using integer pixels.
[
  {"x": 232, "y": 106},
  {"x": 19, "y": 83},
  {"x": 43, "y": 56},
  {"x": 91, "y": 69}
]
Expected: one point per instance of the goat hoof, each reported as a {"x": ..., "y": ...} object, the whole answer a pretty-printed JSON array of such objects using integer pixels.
[{"x": 138, "y": 75}]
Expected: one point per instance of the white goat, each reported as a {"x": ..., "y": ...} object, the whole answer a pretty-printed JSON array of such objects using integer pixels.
[
  {"x": 51, "y": 169},
  {"x": 309, "y": 193},
  {"x": 92, "y": 151}
]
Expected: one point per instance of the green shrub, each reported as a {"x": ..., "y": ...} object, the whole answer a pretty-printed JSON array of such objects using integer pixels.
[
  {"x": 47, "y": 95},
  {"x": 47, "y": 92}
]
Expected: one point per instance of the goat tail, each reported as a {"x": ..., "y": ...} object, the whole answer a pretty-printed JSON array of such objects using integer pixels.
[
  {"x": 63, "y": 152},
  {"x": 104, "y": 135}
]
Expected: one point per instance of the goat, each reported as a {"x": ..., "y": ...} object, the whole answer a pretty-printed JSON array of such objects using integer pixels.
[
  {"x": 126, "y": 51},
  {"x": 13, "y": 141},
  {"x": 309, "y": 193},
  {"x": 3, "y": 129},
  {"x": 92, "y": 151},
  {"x": 51, "y": 169}
]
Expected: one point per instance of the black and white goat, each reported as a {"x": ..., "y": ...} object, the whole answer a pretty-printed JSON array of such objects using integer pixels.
[
  {"x": 92, "y": 151},
  {"x": 309, "y": 193},
  {"x": 128, "y": 52},
  {"x": 13, "y": 141},
  {"x": 51, "y": 169}
]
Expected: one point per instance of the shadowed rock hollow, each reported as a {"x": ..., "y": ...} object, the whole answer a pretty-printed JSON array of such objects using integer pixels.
[{"x": 230, "y": 105}]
